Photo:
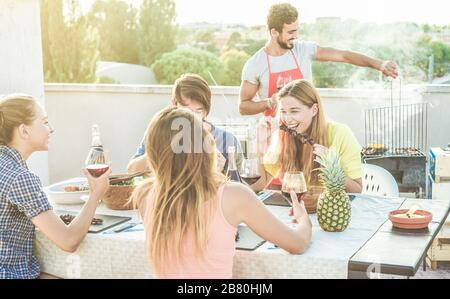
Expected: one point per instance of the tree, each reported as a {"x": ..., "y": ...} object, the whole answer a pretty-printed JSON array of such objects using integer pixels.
[
  {"x": 330, "y": 75},
  {"x": 205, "y": 40},
  {"x": 187, "y": 60},
  {"x": 69, "y": 44},
  {"x": 184, "y": 36},
  {"x": 157, "y": 30},
  {"x": 440, "y": 52},
  {"x": 116, "y": 22},
  {"x": 233, "y": 62},
  {"x": 441, "y": 56},
  {"x": 253, "y": 45},
  {"x": 234, "y": 39}
]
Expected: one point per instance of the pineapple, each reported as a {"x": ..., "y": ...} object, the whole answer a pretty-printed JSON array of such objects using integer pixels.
[{"x": 333, "y": 207}]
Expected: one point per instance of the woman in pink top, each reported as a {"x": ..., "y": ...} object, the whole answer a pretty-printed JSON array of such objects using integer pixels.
[{"x": 191, "y": 212}]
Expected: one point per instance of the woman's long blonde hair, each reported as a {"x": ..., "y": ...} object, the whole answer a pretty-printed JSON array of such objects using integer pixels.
[
  {"x": 288, "y": 151},
  {"x": 182, "y": 184}
]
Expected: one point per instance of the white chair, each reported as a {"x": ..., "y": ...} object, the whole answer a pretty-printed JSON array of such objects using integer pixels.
[{"x": 378, "y": 181}]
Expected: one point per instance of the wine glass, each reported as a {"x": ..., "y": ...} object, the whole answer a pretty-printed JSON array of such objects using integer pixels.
[
  {"x": 250, "y": 171},
  {"x": 96, "y": 162},
  {"x": 294, "y": 181}
]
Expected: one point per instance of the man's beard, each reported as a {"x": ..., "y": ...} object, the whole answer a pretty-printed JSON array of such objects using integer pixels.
[{"x": 284, "y": 45}]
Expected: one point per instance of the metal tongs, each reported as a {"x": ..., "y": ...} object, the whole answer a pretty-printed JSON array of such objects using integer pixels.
[
  {"x": 114, "y": 179},
  {"x": 304, "y": 138}
]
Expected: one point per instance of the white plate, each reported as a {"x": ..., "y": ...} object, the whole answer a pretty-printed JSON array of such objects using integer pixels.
[{"x": 57, "y": 195}]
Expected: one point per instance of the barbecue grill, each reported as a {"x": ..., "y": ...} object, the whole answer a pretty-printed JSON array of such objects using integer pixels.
[{"x": 396, "y": 139}]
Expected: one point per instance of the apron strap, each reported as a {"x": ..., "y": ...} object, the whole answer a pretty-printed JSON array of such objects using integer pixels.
[
  {"x": 267, "y": 58},
  {"x": 268, "y": 62},
  {"x": 295, "y": 59}
]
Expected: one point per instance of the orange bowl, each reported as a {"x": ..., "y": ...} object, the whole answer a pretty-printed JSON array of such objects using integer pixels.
[
  {"x": 410, "y": 223},
  {"x": 117, "y": 197},
  {"x": 311, "y": 197}
]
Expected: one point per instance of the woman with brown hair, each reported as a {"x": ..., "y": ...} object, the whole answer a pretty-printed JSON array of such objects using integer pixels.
[
  {"x": 301, "y": 113},
  {"x": 190, "y": 210}
]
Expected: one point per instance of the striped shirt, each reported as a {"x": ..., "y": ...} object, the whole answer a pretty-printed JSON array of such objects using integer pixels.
[{"x": 21, "y": 199}]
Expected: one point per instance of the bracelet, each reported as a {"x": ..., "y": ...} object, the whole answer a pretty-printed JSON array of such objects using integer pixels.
[{"x": 269, "y": 104}]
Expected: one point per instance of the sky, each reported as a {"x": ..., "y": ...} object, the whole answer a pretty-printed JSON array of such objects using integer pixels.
[{"x": 253, "y": 12}]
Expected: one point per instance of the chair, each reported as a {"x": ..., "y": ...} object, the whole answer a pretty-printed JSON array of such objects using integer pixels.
[{"x": 378, "y": 181}]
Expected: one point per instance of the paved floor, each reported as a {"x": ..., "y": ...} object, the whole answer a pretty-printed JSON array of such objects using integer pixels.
[{"x": 442, "y": 272}]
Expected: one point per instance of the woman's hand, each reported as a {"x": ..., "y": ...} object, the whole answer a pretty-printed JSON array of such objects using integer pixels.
[
  {"x": 98, "y": 186},
  {"x": 319, "y": 150},
  {"x": 298, "y": 210}
]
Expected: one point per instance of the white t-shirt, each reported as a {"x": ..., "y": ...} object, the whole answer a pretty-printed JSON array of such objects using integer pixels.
[{"x": 256, "y": 70}]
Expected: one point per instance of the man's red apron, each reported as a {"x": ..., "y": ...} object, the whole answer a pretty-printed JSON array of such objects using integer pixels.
[{"x": 294, "y": 74}]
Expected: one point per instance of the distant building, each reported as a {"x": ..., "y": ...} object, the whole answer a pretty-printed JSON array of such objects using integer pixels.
[
  {"x": 441, "y": 36},
  {"x": 257, "y": 33},
  {"x": 221, "y": 38},
  {"x": 222, "y": 33},
  {"x": 328, "y": 19},
  {"x": 124, "y": 73},
  {"x": 203, "y": 26}
]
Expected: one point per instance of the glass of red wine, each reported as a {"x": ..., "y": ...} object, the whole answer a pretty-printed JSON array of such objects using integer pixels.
[
  {"x": 96, "y": 162},
  {"x": 250, "y": 171},
  {"x": 294, "y": 181}
]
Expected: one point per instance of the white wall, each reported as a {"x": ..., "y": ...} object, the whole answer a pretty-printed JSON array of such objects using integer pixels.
[
  {"x": 439, "y": 114},
  {"x": 21, "y": 67},
  {"x": 123, "y": 113}
]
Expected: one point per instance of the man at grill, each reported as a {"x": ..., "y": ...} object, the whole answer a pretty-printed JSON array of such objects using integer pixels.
[{"x": 284, "y": 59}]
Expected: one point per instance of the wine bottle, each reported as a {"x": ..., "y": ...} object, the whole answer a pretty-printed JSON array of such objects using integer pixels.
[
  {"x": 232, "y": 171},
  {"x": 95, "y": 161}
]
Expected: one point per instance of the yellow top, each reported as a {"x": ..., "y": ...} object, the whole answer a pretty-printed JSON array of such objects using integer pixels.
[{"x": 341, "y": 137}]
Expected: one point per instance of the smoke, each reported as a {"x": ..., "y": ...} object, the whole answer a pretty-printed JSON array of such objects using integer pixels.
[{"x": 397, "y": 42}]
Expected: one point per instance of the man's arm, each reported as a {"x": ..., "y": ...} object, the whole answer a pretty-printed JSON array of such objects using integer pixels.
[
  {"x": 388, "y": 68},
  {"x": 353, "y": 185},
  {"x": 246, "y": 104},
  {"x": 138, "y": 164}
]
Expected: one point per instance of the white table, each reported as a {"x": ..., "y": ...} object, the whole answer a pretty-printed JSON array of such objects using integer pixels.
[{"x": 122, "y": 255}]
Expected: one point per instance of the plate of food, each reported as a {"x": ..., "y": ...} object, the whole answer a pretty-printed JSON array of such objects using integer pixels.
[
  {"x": 99, "y": 223},
  {"x": 68, "y": 192},
  {"x": 410, "y": 219}
]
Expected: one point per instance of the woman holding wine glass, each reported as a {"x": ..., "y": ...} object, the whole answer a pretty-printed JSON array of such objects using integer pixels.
[
  {"x": 302, "y": 115},
  {"x": 191, "y": 220},
  {"x": 24, "y": 129}
]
